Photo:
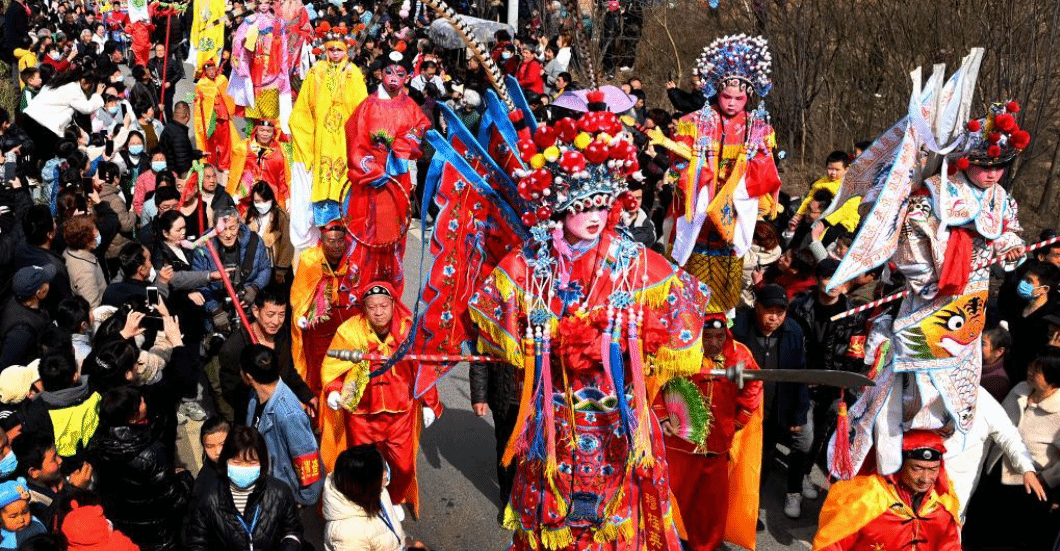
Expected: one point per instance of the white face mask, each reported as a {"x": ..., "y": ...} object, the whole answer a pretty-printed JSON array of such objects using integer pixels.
[
  {"x": 263, "y": 208},
  {"x": 152, "y": 275},
  {"x": 99, "y": 241}
]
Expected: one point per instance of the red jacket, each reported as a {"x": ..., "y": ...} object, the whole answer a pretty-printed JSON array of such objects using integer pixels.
[
  {"x": 529, "y": 76},
  {"x": 731, "y": 407}
]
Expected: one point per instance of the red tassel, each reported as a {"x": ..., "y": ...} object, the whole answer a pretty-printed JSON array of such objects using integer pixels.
[
  {"x": 957, "y": 264},
  {"x": 843, "y": 463}
]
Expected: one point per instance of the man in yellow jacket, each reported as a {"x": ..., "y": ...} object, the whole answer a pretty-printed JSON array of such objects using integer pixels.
[{"x": 331, "y": 91}]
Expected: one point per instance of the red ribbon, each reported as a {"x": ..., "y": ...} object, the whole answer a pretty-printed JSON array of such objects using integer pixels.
[{"x": 957, "y": 264}]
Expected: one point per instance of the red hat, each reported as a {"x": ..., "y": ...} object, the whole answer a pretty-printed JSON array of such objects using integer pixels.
[
  {"x": 924, "y": 445},
  {"x": 86, "y": 529}
]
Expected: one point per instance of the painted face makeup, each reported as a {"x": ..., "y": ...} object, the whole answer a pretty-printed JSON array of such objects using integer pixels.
[
  {"x": 584, "y": 226},
  {"x": 394, "y": 79}
]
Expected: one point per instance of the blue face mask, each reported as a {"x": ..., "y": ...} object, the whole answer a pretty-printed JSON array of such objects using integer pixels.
[
  {"x": 8, "y": 464},
  {"x": 158, "y": 166},
  {"x": 243, "y": 477},
  {"x": 136, "y": 149},
  {"x": 1025, "y": 290}
]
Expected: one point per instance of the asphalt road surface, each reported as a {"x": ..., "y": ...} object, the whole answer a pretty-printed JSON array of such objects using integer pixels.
[{"x": 457, "y": 477}]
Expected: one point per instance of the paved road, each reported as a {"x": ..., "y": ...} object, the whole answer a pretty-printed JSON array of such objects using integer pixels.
[{"x": 458, "y": 481}]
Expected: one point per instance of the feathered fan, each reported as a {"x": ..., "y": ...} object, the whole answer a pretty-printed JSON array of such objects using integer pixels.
[{"x": 689, "y": 416}]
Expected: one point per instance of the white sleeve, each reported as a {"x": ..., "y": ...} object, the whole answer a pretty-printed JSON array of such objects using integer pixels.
[{"x": 1004, "y": 433}]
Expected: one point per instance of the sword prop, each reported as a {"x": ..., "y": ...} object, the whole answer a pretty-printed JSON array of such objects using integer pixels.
[
  {"x": 902, "y": 294},
  {"x": 736, "y": 373}
]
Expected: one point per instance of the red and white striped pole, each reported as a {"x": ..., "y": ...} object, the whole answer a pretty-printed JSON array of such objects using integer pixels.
[{"x": 902, "y": 294}]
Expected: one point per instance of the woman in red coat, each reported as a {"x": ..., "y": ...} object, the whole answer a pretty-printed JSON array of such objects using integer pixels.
[{"x": 530, "y": 73}]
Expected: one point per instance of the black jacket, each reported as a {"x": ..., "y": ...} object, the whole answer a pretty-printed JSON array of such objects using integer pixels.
[
  {"x": 16, "y": 26},
  {"x": 212, "y": 523},
  {"x": 142, "y": 494},
  {"x": 791, "y": 401},
  {"x": 236, "y": 392},
  {"x": 828, "y": 342},
  {"x": 32, "y": 255},
  {"x": 686, "y": 102},
  {"x": 176, "y": 144},
  {"x": 20, "y": 326},
  {"x": 496, "y": 384}
]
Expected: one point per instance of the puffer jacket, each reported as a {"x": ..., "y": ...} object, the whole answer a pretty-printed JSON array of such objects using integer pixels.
[
  {"x": 213, "y": 523},
  {"x": 142, "y": 495},
  {"x": 349, "y": 528}
]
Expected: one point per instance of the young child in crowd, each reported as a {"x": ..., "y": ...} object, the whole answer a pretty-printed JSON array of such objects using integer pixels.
[{"x": 16, "y": 522}]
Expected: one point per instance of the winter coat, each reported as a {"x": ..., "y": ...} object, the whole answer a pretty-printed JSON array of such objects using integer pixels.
[
  {"x": 142, "y": 495},
  {"x": 213, "y": 524},
  {"x": 176, "y": 144},
  {"x": 348, "y": 528},
  {"x": 86, "y": 275},
  {"x": 294, "y": 455},
  {"x": 791, "y": 401},
  {"x": 259, "y": 276},
  {"x": 833, "y": 351}
]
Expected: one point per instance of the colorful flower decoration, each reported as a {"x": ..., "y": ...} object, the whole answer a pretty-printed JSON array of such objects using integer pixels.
[
  {"x": 576, "y": 164},
  {"x": 739, "y": 60},
  {"x": 995, "y": 139}
]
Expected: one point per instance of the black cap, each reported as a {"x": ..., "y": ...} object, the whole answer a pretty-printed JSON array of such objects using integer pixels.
[
  {"x": 770, "y": 296},
  {"x": 29, "y": 279},
  {"x": 923, "y": 454},
  {"x": 1052, "y": 319},
  {"x": 827, "y": 268}
]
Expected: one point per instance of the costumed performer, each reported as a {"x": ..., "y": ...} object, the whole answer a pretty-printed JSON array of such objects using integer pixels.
[
  {"x": 382, "y": 145},
  {"x": 589, "y": 313},
  {"x": 323, "y": 296},
  {"x": 914, "y": 508},
  {"x": 298, "y": 30},
  {"x": 727, "y": 176},
  {"x": 260, "y": 81},
  {"x": 382, "y": 409},
  {"x": 951, "y": 222},
  {"x": 706, "y": 464},
  {"x": 260, "y": 157},
  {"x": 207, "y": 38},
  {"x": 331, "y": 91},
  {"x": 215, "y": 132}
]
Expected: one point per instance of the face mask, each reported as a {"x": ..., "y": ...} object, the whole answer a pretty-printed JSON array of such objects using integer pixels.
[
  {"x": 158, "y": 166},
  {"x": 54, "y": 55},
  {"x": 113, "y": 110},
  {"x": 99, "y": 241},
  {"x": 1025, "y": 290},
  {"x": 243, "y": 477},
  {"x": 136, "y": 149},
  {"x": 506, "y": 55},
  {"x": 263, "y": 208},
  {"x": 8, "y": 464},
  {"x": 152, "y": 275}
]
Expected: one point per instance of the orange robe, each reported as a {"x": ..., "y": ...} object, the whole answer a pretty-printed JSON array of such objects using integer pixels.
[
  {"x": 214, "y": 131},
  {"x": 868, "y": 513},
  {"x": 321, "y": 299},
  {"x": 386, "y": 413},
  {"x": 695, "y": 467}
]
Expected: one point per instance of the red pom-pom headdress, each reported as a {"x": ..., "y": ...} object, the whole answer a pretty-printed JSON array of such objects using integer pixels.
[{"x": 995, "y": 139}]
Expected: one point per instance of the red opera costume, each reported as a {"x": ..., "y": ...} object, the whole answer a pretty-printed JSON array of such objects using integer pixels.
[
  {"x": 694, "y": 467},
  {"x": 380, "y": 410},
  {"x": 253, "y": 162},
  {"x": 727, "y": 176},
  {"x": 382, "y": 143}
]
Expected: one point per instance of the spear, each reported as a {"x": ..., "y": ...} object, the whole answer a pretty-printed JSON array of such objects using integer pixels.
[
  {"x": 735, "y": 373},
  {"x": 902, "y": 294}
]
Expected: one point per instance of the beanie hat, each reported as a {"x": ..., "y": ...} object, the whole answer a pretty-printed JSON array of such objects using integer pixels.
[
  {"x": 16, "y": 381},
  {"x": 87, "y": 529},
  {"x": 12, "y": 491}
]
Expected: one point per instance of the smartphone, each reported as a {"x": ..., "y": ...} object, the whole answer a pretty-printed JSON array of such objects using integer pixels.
[
  {"x": 152, "y": 298},
  {"x": 152, "y": 322},
  {"x": 109, "y": 149},
  {"x": 86, "y": 186}
]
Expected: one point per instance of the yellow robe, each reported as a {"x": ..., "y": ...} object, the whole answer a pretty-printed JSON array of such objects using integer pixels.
[
  {"x": 328, "y": 97},
  {"x": 207, "y": 93},
  {"x": 207, "y": 32}
]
